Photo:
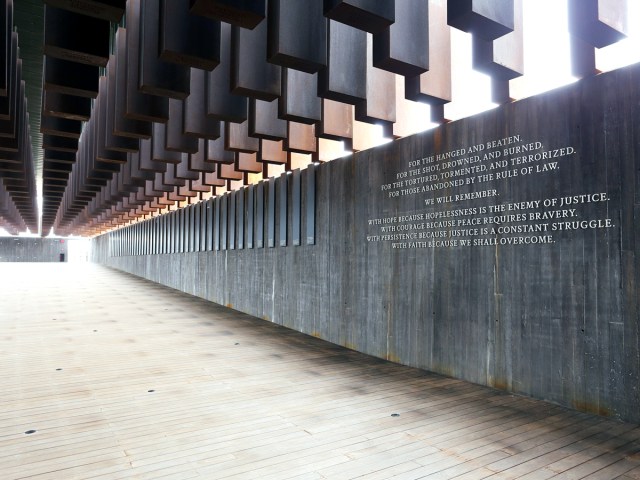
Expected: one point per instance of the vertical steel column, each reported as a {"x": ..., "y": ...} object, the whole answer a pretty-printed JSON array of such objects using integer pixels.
[
  {"x": 295, "y": 200},
  {"x": 260, "y": 215},
  {"x": 282, "y": 183},
  {"x": 310, "y": 204},
  {"x": 250, "y": 207}
]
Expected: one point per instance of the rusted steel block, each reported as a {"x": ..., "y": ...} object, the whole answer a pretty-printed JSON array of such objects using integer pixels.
[
  {"x": 186, "y": 38},
  {"x": 243, "y": 13},
  {"x": 297, "y": 35},
  {"x": 403, "y": 47},
  {"x": 221, "y": 104},
  {"x": 110, "y": 10},
  {"x": 372, "y": 17},
  {"x": 489, "y": 19},
  {"x": 251, "y": 74},
  {"x": 70, "y": 78},
  {"x": 75, "y": 37}
]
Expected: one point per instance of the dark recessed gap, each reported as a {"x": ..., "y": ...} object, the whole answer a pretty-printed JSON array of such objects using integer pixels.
[
  {"x": 29, "y": 432},
  {"x": 150, "y": 391},
  {"x": 395, "y": 414}
]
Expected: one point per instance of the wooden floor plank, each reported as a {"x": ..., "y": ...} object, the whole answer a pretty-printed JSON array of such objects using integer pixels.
[
  {"x": 578, "y": 442},
  {"x": 619, "y": 467},
  {"x": 631, "y": 475},
  {"x": 125, "y": 379}
]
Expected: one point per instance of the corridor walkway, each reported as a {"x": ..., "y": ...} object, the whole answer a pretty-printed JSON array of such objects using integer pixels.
[{"x": 107, "y": 376}]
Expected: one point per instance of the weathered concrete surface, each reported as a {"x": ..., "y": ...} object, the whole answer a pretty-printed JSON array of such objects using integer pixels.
[{"x": 26, "y": 249}]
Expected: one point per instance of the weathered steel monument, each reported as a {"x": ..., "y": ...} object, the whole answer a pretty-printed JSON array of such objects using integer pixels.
[{"x": 500, "y": 248}]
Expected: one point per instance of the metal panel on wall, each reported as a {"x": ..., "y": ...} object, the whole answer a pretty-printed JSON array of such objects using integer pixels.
[
  {"x": 210, "y": 228},
  {"x": 202, "y": 244},
  {"x": 310, "y": 204},
  {"x": 295, "y": 207},
  {"x": 171, "y": 232},
  {"x": 250, "y": 212},
  {"x": 181, "y": 230},
  {"x": 223, "y": 220},
  {"x": 189, "y": 228},
  {"x": 260, "y": 215},
  {"x": 271, "y": 212},
  {"x": 282, "y": 183},
  {"x": 231, "y": 220},
  {"x": 216, "y": 223},
  {"x": 159, "y": 235},
  {"x": 240, "y": 213},
  {"x": 185, "y": 223},
  {"x": 196, "y": 227}
]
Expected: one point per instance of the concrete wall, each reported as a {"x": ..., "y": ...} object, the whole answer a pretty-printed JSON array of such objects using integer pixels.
[
  {"x": 25, "y": 249},
  {"x": 500, "y": 249}
]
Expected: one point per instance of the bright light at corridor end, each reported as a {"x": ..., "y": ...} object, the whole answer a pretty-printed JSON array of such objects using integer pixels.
[{"x": 547, "y": 57}]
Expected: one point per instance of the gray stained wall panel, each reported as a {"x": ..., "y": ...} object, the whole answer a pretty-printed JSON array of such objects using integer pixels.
[
  {"x": 501, "y": 249},
  {"x": 21, "y": 249}
]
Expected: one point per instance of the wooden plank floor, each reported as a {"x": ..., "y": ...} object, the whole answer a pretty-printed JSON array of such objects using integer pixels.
[{"x": 124, "y": 379}]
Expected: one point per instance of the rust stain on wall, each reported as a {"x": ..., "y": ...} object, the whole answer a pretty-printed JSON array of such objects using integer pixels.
[{"x": 588, "y": 407}]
